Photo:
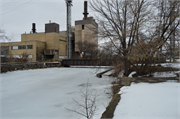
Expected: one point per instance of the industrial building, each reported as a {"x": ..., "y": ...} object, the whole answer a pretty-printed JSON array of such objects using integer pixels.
[
  {"x": 52, "y": 44},
  {"x": 86, "y": 30},
  {"x": 49, "y": 45}
]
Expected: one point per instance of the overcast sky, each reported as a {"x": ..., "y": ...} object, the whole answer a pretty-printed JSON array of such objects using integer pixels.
[{"x": 17, "y": 16}]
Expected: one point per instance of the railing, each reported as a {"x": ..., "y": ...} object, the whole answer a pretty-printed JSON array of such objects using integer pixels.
[{"x": 84, "y": 62}]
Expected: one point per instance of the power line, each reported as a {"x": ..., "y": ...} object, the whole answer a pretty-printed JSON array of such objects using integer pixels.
[
  {"x": 20, "y": 6},
  {"x": 10, "y": 3},
  {"x": 16, "y": 7},
  {"x": 7, "y": 3}
]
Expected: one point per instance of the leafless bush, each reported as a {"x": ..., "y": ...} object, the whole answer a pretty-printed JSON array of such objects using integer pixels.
[
  {"x": 88, "y": 105},
  {"x": 23, "y": 57},
  {"x": 88, "y": 50}
]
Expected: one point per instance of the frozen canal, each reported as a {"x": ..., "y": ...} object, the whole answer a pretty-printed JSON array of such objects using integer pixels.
[{"x": 45, "y": 93}]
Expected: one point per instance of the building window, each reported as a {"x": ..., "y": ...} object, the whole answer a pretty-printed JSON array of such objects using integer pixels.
[
  {"x": 56, "y": 52},
  {"x": 62, "y": 57},
  {"x": 4, "y": 50},
  {"x": 20, "y": 56},
  {"x": 30, "y": 56},
  {"x": 82, "y": 27},
  {"x": 14, "y": 47},
  {"x": 22, "y": 47},
  {"x": 17, "y": 56},
  {"x": 29, "y": 46}
]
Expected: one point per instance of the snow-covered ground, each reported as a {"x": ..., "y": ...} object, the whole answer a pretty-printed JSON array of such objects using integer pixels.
[
  {"x": 169, "y": 73},
  {"x": 160, "y": 74},
  {"x": 149, "y": 101},
  {"x": 164, "y": 74},
  {"x": 177, "y": 60},
  {"x": 173, "y": 65},
  {"x": 45, "y": 93}
]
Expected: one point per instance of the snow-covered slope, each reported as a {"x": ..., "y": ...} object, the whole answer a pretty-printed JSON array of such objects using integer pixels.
[{"x": 149, "y": 101}]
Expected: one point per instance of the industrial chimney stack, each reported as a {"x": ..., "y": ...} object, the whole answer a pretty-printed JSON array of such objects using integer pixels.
[
  {"x": 85, "y": 10},
  {"x": 34, "y": 28},
  {"x": 69, "y": 49}
]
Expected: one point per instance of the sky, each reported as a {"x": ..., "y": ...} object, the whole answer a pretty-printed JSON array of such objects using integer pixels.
[{"x": 17, "y": 16}]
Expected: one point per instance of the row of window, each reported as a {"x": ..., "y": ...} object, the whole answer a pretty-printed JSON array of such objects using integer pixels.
[
  {"x": 20, "y": 56},
  {"x": 22, "y": 47}
]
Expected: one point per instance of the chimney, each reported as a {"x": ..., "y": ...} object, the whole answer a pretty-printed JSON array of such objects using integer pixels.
[
  {"x": 34, "y": 28},
  {"x": 85, "y": 10}
]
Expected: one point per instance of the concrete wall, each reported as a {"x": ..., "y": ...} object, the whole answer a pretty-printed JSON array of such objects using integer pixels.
[
  {"x": 52, "y": 41},
  {"x": 40, "y": 47},
  {"x": 34, "y": 37},
  {"x": 63, "y": 34},
  {"x": 62, "y": 46},
  {"x": 86, "y": 34}
]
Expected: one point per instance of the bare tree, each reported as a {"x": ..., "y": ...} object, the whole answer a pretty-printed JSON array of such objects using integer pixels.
[
  {"x": 4, "y": 50},
  {"x": 132, "y": 27},
  {"x": 89, "y": 49},
  {"x": 88, "y": 105},
  {"x": 3, "y": 37},
  {"x": 147, "y": 51}
]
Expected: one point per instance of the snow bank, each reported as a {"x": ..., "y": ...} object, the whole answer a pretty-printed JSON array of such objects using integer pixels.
[
  {"x": 164, "y": 74},
  {"x": 130, "y": 75},
  {"x": 173, "y": 65},
  {"x": 149, "y": 101},
  {"x": 45, "y": 93}
]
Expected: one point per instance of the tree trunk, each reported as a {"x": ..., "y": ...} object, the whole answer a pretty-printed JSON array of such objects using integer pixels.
[{"x": 126, "y": 67}]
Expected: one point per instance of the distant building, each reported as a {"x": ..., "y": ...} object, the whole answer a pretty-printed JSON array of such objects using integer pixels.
[
  {"x": 85, "y": 30},
  {"x": 49, "y": 45}
]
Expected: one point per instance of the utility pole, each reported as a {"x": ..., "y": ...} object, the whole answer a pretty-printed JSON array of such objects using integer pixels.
[
  {"x": 172, "y": 37},
  {"x": 160, "y": 24},
  {"x": 69, "y": 49},
  {"x": 26, "y": 43}
]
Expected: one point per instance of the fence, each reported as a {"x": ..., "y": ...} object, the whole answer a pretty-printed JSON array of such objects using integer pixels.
[{"x": 85, "y": 62}]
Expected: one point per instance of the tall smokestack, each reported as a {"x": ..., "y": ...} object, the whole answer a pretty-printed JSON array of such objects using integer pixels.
[
  {"x": 85, "y": 10},
  {"x": 33, "y": 27}
]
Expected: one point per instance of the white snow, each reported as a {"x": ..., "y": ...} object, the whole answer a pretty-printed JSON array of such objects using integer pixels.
[
  {"x": 177, "y": 60},
  {"x": 130, "y": 75},
  {"x": 149, "y": 101},
  {"x": 45, "y": 93},
  {"x": 164, "y": 74},
  {"x": 173, "y": 65}
]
